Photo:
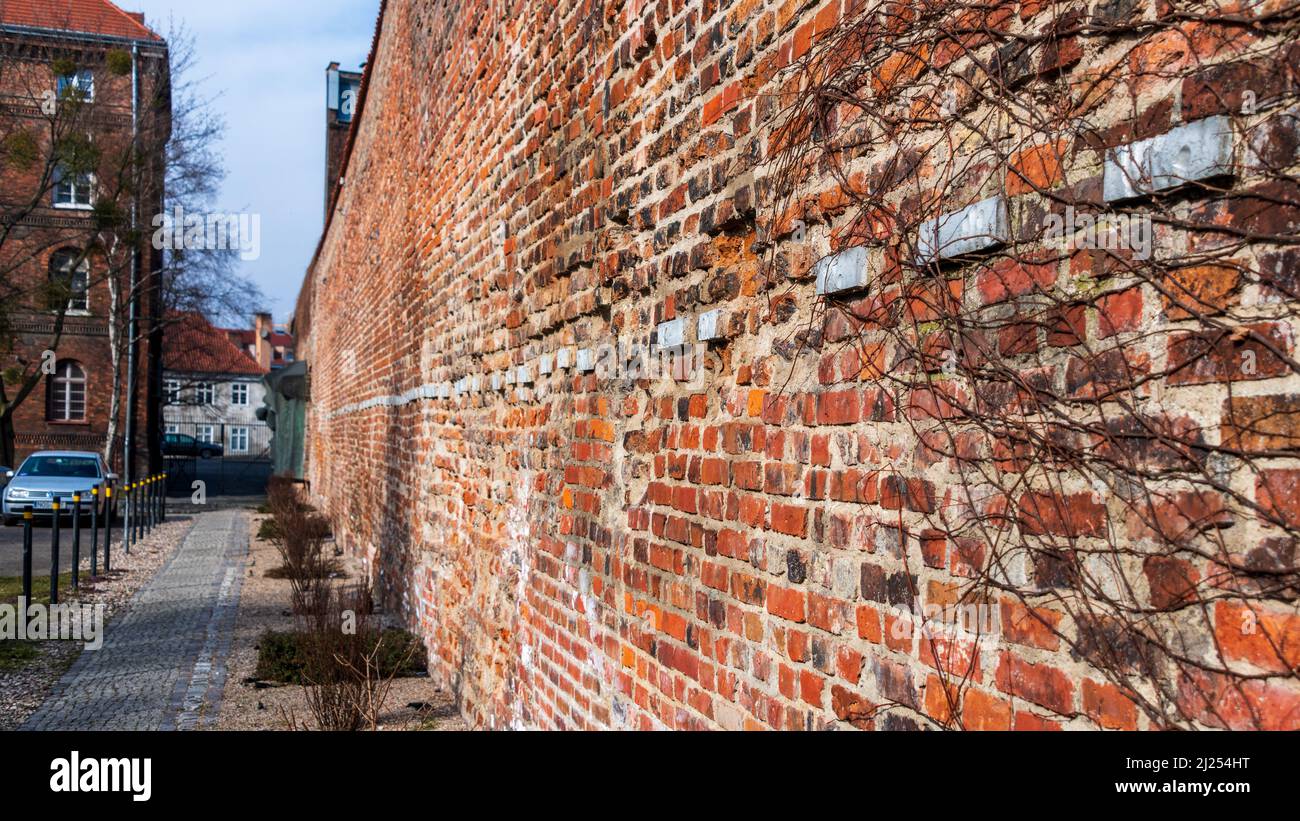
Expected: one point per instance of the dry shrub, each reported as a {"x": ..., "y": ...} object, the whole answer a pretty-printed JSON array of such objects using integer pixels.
[
  {"x": 343, "y": 654},
  {"x": 299, "y": 535}
]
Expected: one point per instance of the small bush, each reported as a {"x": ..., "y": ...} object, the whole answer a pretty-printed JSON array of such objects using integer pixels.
[
  {"x": 268, "y": 531},
  {"x": 279, "y": 658},
  {"x": 282, "y": 655},
  {"x": 119, "y": 62}
]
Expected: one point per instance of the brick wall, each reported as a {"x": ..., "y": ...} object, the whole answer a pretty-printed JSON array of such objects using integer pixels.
[{"x": 753, "y": 541}]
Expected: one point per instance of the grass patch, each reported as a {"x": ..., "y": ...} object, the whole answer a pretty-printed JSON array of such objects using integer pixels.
[
  {"x": 281, "y": 656},
  {"x": 15, "y": 655},
  {"x": 11, "y": 587}
]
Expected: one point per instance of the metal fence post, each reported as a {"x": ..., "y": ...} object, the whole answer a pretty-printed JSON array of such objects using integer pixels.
[
  {"x": 162, "y": 497},
  {"x": 76, "y": 541},
  {"x": 54, "y": 554}
]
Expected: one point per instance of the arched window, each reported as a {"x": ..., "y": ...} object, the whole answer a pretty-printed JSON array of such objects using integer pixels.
[
  {"x": 68, "y": 393},
  {"x": 70, "y": 268}
]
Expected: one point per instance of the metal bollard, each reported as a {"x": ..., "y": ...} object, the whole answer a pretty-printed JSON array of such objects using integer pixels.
[
  {"x": 27, "y": 559},
  {"x": 94, "y": 532},
  {"x": 153, "y": 499},
  {"x": 126, "y": 521},
  {"x": 76, "y": 541},
  {"x": 108, "y": 528},
  {"x": 162, "y": 498},
  {"x": 54, "y": 553}
]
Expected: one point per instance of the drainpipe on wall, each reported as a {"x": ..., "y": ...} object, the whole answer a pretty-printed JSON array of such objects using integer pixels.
[{"x": 132, "y": 298}]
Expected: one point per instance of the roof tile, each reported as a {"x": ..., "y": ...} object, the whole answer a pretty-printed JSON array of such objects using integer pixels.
[{"x": 84, "y": 16}]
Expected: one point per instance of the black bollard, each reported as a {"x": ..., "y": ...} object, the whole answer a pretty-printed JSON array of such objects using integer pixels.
[
  {"x": 76, "y": 541},
  {"x": 162, "y": 498},
  {"x": 108, "y": 528},
  {"x": 94, "y": 532},
  {"x": 27, "y": 559},
  {"x": 126, "y": 521},
  {"x": 54, "y": 554}
]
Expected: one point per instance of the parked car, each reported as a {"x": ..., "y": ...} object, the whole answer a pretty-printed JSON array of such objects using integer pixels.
[
  {"x": 50, "y": 475},
  {"x": 182, "y": 444}
]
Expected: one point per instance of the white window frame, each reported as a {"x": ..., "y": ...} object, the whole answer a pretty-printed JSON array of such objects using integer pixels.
[
  {"x": 81, "y": 192},
  {"x": 172, "y": 394},
  {"x": 239, "y": 438},
  {"x": 239, "y": 394},
  {"x": 205, "y": 434},
  {"x": 171, "y": 430},
  {"x": 82, "y": 80},
  {"x": 205, "y": 393},
  {"x": 69, "y": 382},
  {"x": 79, "y": 302}
]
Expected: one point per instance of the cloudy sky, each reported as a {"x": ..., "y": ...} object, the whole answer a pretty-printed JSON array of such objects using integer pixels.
[{"x": 266, "y": 60}]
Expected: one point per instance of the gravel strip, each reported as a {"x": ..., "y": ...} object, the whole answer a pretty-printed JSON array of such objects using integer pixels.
[{"x": 23, "y": 691}]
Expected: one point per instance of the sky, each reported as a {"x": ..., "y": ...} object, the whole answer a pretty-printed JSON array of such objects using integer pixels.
[{"x": 264, "y": 62}]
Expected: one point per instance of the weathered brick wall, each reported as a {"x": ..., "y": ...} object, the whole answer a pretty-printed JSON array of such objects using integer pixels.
[{"x": 531, "y": 181}]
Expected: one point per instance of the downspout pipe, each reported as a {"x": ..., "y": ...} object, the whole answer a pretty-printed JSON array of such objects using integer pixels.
[{"x": 132, "y": 298}]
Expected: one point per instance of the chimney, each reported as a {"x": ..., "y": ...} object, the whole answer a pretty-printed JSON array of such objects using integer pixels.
[{"x": 262, "y": 331}]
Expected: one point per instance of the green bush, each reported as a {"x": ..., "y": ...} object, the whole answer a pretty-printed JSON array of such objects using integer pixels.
[
  {"x": 119, "y": 62},
  {"x": 281, "y": 656},
  {"x": 269, "y": 531}
]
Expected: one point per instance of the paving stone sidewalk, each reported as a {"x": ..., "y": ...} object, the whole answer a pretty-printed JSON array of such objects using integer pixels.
[{"x": 164, "y": 658}]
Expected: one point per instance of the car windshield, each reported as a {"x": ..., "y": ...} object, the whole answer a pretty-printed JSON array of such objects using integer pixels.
[{"x": 70, "y": 467}]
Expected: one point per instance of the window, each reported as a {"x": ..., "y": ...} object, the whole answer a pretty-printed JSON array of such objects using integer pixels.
[
  {"x": 68, "y": 393},
  {"x": 171, "y": 430},
  {"x": 239, "y": 394},
  {"x": 239, "y": 440},
  {"x": 72, "y": 269},
  {"x": 73, "y": 190},
  {"x": 79, "y": 84},
  {"x": 207, "y": 434},
  {"x": 205, "y": 393},
  {"x": 173, "y": 391}
]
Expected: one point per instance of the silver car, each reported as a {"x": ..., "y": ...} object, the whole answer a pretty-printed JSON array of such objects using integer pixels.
[{"x": 50, "y": 475}]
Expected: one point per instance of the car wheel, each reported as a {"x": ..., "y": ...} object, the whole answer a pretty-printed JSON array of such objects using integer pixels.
[
  {"x": 207, "y": 454},
  {"x": 11, "y": 521}
]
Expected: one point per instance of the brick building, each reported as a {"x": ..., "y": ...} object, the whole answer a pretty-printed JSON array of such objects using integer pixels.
[
  {"x": 74, "y": 69},
  {"x": 933, "y": 379},
  {"x": 269, "y": 344}
]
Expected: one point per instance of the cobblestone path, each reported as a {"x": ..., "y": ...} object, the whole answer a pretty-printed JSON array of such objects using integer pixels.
[{"x": 162, "y": 666}]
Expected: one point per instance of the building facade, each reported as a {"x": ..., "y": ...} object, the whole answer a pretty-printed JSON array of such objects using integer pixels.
[
  {"x": 212, "y": 390},
  {"x": 995, "y": 417},
  {"x": 84, "y": 115}
]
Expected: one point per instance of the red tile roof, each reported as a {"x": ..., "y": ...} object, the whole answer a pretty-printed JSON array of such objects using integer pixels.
[
  {"x": 192, "y": 345},
  {"x": 84, "y": 16}
]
